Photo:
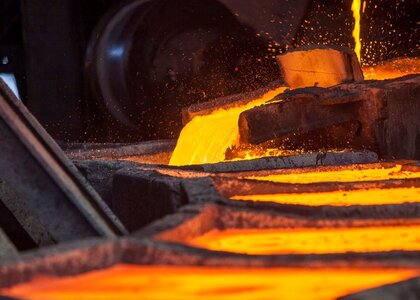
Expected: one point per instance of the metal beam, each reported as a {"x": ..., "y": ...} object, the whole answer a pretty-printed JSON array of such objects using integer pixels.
[{"x": 47, "y": 182}]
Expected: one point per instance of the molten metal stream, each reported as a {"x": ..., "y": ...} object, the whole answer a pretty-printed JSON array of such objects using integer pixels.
[
  {"x": 356, "y": 9},
  {"x": 188, "y": 283},
  {"x": 341, "y": 198},
  {"x": 346, "y": 175},
  {"x": 205, "y": 139},
  {"x": 311, "y": 240}
]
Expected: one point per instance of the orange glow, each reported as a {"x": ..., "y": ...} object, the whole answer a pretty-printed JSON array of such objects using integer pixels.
[
  {"x": 258, "y": 152},
  {"x": 356, "y": 7},
  {"x": 160, "y": 158},
  {"x": 341, "y": 198},
  {"x": 311, "y": 240},
  {"x": 392, "y": 69},
  {"x": 344, "y": 175},
  {"x": 188, "y": 283},
  {"x": 322, "y": 67},
  {"x": 206, "y": 138}
]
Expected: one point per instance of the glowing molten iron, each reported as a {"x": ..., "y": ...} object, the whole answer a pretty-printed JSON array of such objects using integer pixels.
[
  {"x": 341, "y": 198},
  {"x": 340, "y": 175},
  {"x": 156, "y": 282},
  {"x": 392, "y": 69},
  {"x": 311, "y": 240},
  {"x": 371, "y": 196},
  {"x": 205, "y": 139},
  {"x": 356, "y": 8}
]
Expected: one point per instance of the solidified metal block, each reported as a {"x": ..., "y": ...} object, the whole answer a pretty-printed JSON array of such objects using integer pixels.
[
  {"x": 44, "y": 179},
  {"x": 300, "y": 111},
  {"x": 143, "y": 196},
  {"x": 328, "y": 158},
  {"x": 407, "y": 290},
  {"x": 321, "y": 66},
  {"x": 138, "y": 194},
  {"x": 152, "y": 152},
  {"x": 100, "y": 173},
  {"x": 380, "y": 116},
  {"x": 198, "y": 190}
]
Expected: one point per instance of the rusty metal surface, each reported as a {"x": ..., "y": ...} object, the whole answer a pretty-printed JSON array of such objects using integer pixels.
[
  {"x": 322, "y": 158},
  {"x": 49, "y": 185},
  {"x": 116, "y": 151},
  {"x": 142, "y": 196},
  {"x": 381, "y": 116}
]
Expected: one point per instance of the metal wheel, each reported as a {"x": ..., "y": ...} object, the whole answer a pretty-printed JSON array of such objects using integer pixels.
[{"x": 149, "y": 59}]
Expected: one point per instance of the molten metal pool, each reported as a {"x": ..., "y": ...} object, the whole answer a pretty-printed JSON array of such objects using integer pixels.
[
  {"x": 341, "y": 198},
  {"x": 311, "y": 240},
  {"x": 158, "y": 282},
  {"x": 343, "y": 174}
]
